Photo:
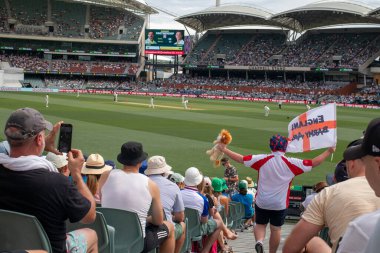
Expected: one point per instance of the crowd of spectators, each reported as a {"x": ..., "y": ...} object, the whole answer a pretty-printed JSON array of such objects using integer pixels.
[
  {"x": 146, "y": 183},
  {"x": 101, "y": 26},
  {"x": 64, "y": 83},
  {"x": 34, "y": 63},
  {"x": 315, "y": 91},
  {"x": 69, "y": 20},
  {"x": 326, "y": 50}
]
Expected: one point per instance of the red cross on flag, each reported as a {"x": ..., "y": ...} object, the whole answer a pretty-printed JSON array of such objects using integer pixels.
[{"x": 313, "y": 129}]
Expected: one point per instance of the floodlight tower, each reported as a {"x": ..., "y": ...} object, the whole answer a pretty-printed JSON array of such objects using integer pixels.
[{"x": 217, "y": 3}]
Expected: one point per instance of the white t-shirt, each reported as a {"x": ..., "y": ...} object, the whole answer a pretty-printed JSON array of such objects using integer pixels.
[
  {"x": 374, "y": 242},
  {"x": 308, "y": 199},
  {"x": 276, "y": 171},
  {"x": 358, "y": 232}
]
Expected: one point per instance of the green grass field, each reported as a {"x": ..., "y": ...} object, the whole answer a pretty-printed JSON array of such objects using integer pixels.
[{"x": 182, "y": 136}]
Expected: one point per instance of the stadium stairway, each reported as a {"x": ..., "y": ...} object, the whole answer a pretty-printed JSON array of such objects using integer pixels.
[{"x": 245, "y": 243}]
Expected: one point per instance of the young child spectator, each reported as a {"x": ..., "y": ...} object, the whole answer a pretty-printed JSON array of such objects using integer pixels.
[
  {"x": 60, "y": 162},
  {"x": 178, "y": 179}
]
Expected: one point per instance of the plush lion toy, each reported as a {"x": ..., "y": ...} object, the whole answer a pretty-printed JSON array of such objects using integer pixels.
[{"x": 214, "y": 153}]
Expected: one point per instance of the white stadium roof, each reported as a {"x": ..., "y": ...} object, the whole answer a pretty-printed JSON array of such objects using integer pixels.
[
  {"x": 226, "y": 15},
  {"x": 375, "y": 12},
  {"x": 320, "y": 14},
  {"x": 325, "y": 13}
]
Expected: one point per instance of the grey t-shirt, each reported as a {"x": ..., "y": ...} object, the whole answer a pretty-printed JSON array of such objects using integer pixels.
[{"x": 171, "y": 197}]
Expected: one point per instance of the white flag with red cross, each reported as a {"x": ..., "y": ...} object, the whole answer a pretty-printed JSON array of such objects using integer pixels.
[{"x": 313, "y": 129}]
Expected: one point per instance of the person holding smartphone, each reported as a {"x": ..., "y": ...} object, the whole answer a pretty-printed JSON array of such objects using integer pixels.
[{"x": 45, "y": 193}]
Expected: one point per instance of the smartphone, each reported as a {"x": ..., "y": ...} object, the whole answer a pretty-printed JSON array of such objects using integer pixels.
[{"x": 65, "y": 136}]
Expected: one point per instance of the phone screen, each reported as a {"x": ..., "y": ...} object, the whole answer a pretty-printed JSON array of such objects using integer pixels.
[{"x": 65, "y": 136}]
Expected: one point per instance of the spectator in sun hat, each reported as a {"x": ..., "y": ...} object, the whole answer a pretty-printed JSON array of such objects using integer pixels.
[
  {"x": 171, "y": 197},
  {"x": 178, "y": 179},
  {"x": 215, "y": 207},
  {"x": 251, "y": 186},
  {"x": 334, "y": 207},
  {"x": 129, "y": 190},
  {"x": 222, "y": 201},
  {"x": 363, "y": 233},
  {"x": 93, "y": 168},
  {"x": 276, "y": 171},
  {"x": 224, "y": 187},
  {"x": 194, "y": 200},
  {"x": 45, "y": 193},
  {"x": 246, "y": 199},
  {"x": 60, "y": 162}
]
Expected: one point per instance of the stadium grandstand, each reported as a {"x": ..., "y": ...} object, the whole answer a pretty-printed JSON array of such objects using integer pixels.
[{"x": 297, "y": 51}]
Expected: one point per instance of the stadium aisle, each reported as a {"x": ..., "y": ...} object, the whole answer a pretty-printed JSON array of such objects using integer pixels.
[{"x": 246, "y": 242}]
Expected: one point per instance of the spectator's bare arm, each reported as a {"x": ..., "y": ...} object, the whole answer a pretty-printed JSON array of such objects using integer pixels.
[
  {"x": 322, "y": 157},
  {"x": 76, "y": 160},
  {"x": 302, "y": 233},
  {"x": 233, "y": 155},
  {"x": 157, "y": 216}
]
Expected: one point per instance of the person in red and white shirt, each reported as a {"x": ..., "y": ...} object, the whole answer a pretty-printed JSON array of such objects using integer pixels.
[{"x": 276, "y": 172}]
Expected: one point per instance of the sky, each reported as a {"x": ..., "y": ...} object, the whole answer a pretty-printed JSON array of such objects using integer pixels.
[{"x": 183, "y": 7}]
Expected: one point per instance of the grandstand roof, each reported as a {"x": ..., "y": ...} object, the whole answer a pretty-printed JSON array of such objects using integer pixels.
[
  {"x": 325, "y": 13},
  {"x": 375, "y": 12},
  {"x": 131, "y": 5},
  {"x": 226, "y": 15},
  {"x": 314, "y": 15}
]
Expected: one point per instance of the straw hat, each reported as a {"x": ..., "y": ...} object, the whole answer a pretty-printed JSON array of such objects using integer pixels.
[{"x": 95, "y": 165}]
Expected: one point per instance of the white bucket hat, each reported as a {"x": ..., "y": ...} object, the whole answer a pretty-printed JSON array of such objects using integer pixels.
[
  {"x": 193, "y": 177},
  {"x": 58, "y": 161},
  {"x": 157, "y": 165},
  {"x": 95, "y": 165}
]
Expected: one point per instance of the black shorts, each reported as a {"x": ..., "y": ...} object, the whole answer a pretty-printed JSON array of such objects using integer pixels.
[
  {"x": 275, "y": 217},
  {"x": 154, "y": 236}
]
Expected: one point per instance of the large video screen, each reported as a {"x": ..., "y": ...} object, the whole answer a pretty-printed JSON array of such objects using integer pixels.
[{"x": 164, "y": 42}]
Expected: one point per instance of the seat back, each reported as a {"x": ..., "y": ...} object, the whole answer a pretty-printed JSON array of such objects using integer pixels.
[
  {"x": 194, "y": 223},
  {"x": 100, "y": 227},
  {"x": 33, "y": 234},
  {"x": 128, "y": 233},
  {"x": 185, "y": 246},
  {"x": 223, "y": 215},
  {"x": 231, "y": 218}
]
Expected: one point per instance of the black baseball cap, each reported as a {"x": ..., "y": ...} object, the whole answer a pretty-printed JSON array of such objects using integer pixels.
[
  {"x": 370, "y": 144},
  {"x": 27, "y": 123}
]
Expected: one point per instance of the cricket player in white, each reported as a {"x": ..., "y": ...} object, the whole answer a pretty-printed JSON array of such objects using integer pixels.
[
  {"x": 308, "y": 107},
  {"x": 185, "y": 104},
  {"x": 266, "y": 111},
  {"x": 115, "y": 96},
  {"x": 47, "y": 100},
  {"x": 151, "y": 102}
]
